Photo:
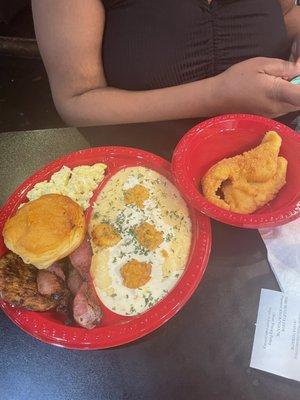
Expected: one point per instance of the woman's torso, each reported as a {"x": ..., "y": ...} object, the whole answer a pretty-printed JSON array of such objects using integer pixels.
[{"x": 149, "y": 44}]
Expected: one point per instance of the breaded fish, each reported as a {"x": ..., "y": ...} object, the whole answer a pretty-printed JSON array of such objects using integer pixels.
[
  {"x": 260, "y": 163},
  {"x": 246, "y": 197},
  {"x": 248, "y": 181}
]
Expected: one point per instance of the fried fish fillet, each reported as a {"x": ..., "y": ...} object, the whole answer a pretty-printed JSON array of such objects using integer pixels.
[
  {"x": 260, "y": 163},
  {"x": 18, "y": 285},
  {"x": 246, "y": 197},
  {"x": 248, "y": 181}
]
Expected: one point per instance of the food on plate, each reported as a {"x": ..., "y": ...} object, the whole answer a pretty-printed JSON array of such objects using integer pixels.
[
  {"x": 256, "y": 194},
  {"x": 248, "y": 181},
  {"x": 49, "y": 284},
  {"x": 148, "y": 236},
  {"x": 137, "y": 195},
  {"x": 105, "y": 235},
  {"x": 42, "y": 232},
  {"x": 151, "y": 221},
  {"x": 19, "y": 287},
  {"x": 86, "y": 310},
  {"x": 77, "y": 183},
  {"x": 58, "y": 269},
  {"x": 81, "y": 258},
  {"x": 136, "y": 249},
  {"x": 45, "y": 230},
  {"x": 23, "y": 285},
  {"x": 74, "y": 280},
  {"x": 135, "y": 273}
]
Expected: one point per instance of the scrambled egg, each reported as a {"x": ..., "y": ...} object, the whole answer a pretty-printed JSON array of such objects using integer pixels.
[{"x": 77, "y": 183}]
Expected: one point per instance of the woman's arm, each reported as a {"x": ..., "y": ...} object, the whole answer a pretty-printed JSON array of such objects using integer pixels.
[
  {"x": 292, "y": 21},
  {"x": 291, "y": 14},
  {"x": 69, "y": 34}
]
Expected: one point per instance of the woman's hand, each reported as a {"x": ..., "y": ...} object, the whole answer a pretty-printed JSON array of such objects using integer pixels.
[
  {"x": 258, "y": 86},
  {"x": 296, "y": 49}
]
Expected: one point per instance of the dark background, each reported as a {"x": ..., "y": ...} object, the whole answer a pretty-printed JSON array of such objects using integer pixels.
[{"x": 25, "y": 98}]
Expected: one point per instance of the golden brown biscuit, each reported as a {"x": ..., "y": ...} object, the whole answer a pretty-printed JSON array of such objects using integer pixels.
[{"x": 45, "y": 230}]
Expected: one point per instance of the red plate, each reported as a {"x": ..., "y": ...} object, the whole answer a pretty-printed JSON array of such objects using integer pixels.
[
  {"x": 225, "y": 136},
  {"x": 115, "y": 330}
]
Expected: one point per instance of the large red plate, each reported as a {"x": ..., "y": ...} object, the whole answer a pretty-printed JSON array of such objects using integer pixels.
[{"x": 115, "y": 330}]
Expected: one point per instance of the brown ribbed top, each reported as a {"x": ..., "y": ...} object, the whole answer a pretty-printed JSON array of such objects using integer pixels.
[{"x": 150, "y": 44}]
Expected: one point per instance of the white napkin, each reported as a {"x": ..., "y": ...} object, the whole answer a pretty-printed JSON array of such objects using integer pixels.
[
  {"x": 283, "y": 247},
  {"x": 276, "y": 346}
]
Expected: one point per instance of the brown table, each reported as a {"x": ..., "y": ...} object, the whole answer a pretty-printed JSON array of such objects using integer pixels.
[{"x": 202, "y": 353}]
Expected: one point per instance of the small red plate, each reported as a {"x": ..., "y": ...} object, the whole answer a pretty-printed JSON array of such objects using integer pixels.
[
  {"x": 226, "y": 136},
  {"x": 115, "y": 330}
]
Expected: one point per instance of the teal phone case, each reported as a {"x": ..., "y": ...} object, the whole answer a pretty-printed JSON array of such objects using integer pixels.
[{"x": 296, "y": 81}]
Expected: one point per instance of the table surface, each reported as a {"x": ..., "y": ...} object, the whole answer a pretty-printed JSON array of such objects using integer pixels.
[{"x": 202, "y": 353}]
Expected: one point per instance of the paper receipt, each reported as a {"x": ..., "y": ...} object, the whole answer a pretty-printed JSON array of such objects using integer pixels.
[{"x": 276, "y": 347}]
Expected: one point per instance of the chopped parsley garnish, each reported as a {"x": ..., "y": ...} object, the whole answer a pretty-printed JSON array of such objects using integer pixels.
[
  {"x": 132, "y": 309},
  {"x": 149, "y": 300},
  {"x": 173, "y": 214},
  {"x": 141, "y": 251},
  {"x": 168, "y": 237}
]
